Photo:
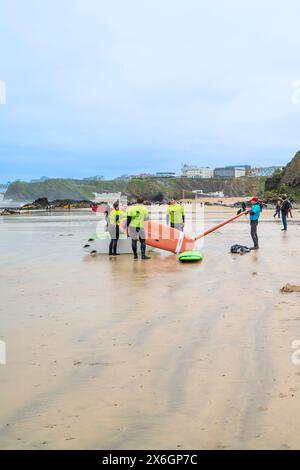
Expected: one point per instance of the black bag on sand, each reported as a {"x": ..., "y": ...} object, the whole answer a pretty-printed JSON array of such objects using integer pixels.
[{"x": 240, "y": 249}]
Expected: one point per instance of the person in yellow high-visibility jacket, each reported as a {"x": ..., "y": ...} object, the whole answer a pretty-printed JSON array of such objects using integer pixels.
[
  {"x": 114, "y": 219},
  {"x": 136, "y": 216},
  {"x": 175, "y": 215}
]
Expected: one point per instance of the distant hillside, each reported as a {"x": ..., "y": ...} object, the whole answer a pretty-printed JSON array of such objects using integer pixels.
[
  {"x": 60, "y": 189},
  {"x": 286, "y": 181},
  {"x": 152, "y": 189}
]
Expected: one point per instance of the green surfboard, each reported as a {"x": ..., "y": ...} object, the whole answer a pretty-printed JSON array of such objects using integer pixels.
[{"x": 190, "y": 256}]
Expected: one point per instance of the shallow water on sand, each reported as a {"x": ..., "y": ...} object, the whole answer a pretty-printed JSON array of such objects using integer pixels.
[{"x": 119, "y": 354}]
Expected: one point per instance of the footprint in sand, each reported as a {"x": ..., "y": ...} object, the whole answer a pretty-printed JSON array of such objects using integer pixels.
[
  {"x": 262, "y": 408},
  {"x": 222, "y": 446}
]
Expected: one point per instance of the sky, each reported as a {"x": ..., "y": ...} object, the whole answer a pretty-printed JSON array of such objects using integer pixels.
[{"x": 115, "y": 87}]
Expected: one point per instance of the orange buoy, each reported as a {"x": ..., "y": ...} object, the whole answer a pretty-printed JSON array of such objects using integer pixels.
[{"x": 167, "y": 238}]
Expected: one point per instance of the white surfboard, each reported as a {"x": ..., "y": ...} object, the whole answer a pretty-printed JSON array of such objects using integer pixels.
[{"x": 99, "y": 244}]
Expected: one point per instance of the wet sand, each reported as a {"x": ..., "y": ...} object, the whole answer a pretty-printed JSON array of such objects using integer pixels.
[{"x": 116, "y": 354}]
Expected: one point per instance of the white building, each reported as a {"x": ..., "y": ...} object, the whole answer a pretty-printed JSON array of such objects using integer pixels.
[
  {"x": 191, "y": 171},
  {"x": 230, "y": 172}
]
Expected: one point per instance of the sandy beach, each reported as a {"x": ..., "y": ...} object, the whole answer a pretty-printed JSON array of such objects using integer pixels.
[{"x": 116, "y": 354}]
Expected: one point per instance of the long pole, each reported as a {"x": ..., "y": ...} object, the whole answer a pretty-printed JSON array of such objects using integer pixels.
[{"x": 221, "y": 225}]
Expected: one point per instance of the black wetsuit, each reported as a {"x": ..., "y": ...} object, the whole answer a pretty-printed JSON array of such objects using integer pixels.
[
  {"x": 114, "y": 232},
  {"x": 137, "y": 233}
]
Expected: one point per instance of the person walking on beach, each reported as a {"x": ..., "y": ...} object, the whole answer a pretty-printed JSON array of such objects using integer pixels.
[
  {"x": 254, "y": 216},
  {"x": 114, "y": 220},
  {"x": 136, "y": 216},
  {"x": 175, "y": 215},
  {"x": 285, "y": 207},
  {"x": 277, "y": 209}
]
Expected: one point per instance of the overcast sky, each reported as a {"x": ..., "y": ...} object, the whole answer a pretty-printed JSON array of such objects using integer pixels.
[{"x": 126, "y": 86}]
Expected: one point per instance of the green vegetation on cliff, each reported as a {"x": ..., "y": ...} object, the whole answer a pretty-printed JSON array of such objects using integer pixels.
[
  {"x": 154, "y": 189},
  {"x": 286, "y": 181},
  {"x": 59, "y": 189}
]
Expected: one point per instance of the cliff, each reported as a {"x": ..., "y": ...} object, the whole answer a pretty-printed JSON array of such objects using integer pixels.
[
  {"x": 287, "y": 181},
  {"x": 152, "y": 189}
]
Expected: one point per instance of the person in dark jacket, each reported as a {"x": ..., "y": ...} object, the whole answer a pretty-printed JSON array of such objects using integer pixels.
[
  {"x": 277, "y": 209},
  {"x": 285, "y": 207},
  {"x": 254, "y": 216}
]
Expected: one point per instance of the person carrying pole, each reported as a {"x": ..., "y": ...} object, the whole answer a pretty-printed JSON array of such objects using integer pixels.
[
  {"x": 136, "y": 216},
  {"x": 175, "y": 215},
  {"x": 254, "y": 216}
]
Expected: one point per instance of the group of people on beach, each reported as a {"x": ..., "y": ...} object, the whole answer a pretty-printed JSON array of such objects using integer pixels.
[
  {"x": 133, "y": 221},
  {"x": 134, "y": 218}
]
